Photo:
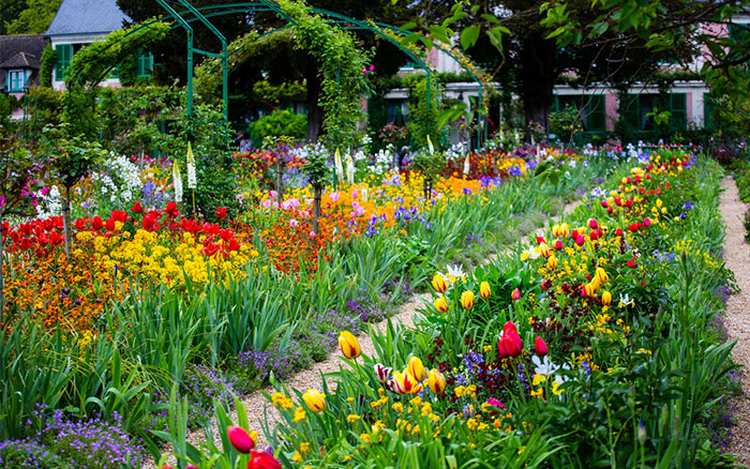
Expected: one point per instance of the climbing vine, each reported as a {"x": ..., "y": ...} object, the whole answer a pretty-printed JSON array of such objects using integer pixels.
[
  {"x": 92, "y": 63},
  {"x": 341, "y": 63},
  {"x": 208, "y": 75}
]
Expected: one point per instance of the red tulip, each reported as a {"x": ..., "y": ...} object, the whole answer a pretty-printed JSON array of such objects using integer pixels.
[
  {"x": 634, "y": 227},
  {"x": 540, "y": 239},
  {"x": 618, "y": 231},
  {"x": 580, "y": 240},
  {"x": 646, "y": 222},
  {"x": 191, "y": 466},
  {"x": 540, "y": 347},
  {"x": 509, "y": 344},
  {"x": 240, "y": 439},
  {"x": 137, "y": 208},
  {"x": 515, "y": 295},
  {"x": 604, "y": 204},
  {"x": 495, "y": 402},
  {"x": 262, "y": 460},
  {"x": 166, "y": 466},
  {"x": 558, "y": 245},
  {"x": 221, "y": 213},
  {"x": 631, "y": 263},
  {"x": 97, "y": 223},
  {"x": 593, "y": 224}
]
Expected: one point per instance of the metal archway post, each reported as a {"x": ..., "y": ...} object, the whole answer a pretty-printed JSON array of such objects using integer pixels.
[
  {"x": 189, "y": 31},
  {"x": 192, "y": 50}
]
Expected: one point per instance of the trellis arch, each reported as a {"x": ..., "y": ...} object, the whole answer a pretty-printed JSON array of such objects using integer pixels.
[{"x": 185, "y": 15}]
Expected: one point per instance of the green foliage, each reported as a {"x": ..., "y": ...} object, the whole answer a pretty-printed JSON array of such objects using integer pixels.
[
  {"x": 35, "y": 19},
  {"x": 424, "y": 109},
  {"x": 79, "y": 113},
  {"x": 91, "y": 64},
  {"x": 7, "y": 103},
  {"x": 46, "y": 65},
  {"x": 211, "y": 138},
  {"x": 45, "y": 106},
  {"x": 566, "y": 123},
  {"x": 281, "y": 123},
  {"x": 71, "y": 156},
  {"x": 341, "y": 63},
  {"x": 208, "y": 77}
]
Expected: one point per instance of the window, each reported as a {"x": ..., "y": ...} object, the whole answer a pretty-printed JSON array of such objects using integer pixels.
[
  {"x": 16, "y": 81},
  {"x": 708, "y": 111},
  {"x": 638, "y": 110},
  {"x": 145, "y": 64},
  {"x": 593, "y": 115},
  {"x": 64, "y": 54}
]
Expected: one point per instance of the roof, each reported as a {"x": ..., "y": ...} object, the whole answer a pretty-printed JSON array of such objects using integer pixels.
[
  {"x": 22, "y": 50},
  {"x": 87, "y": 17},
  {"x": 21, "y": 60}
]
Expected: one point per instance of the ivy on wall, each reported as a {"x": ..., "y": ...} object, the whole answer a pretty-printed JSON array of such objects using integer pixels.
[{"x": 92, "y": 63}]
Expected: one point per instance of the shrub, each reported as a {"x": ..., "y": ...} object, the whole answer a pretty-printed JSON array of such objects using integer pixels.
[{"x": 280, "y": 123}]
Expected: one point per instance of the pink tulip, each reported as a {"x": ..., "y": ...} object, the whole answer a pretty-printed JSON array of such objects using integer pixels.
[{"x": 240, "y": 439}]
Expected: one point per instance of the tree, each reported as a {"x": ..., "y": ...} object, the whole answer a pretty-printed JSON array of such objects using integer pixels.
[
  {"x": 35, "y": 19},
  {"x": 528, "y": 44},
  {"x": 9, "y": 11}
]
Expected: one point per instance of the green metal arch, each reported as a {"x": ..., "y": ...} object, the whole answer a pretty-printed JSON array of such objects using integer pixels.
[{"x": 186, "y": 15}]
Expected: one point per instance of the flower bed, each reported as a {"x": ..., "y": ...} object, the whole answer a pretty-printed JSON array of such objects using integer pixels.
[{"x": 593, "y": 345}]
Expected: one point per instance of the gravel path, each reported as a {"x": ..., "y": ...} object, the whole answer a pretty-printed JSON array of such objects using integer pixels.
[
  {"x": 737, "y": 319},
  {"x": 256, "y": 403}
]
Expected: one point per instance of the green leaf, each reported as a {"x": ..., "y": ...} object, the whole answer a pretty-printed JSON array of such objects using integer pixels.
[{"x": 469, "y": 36}]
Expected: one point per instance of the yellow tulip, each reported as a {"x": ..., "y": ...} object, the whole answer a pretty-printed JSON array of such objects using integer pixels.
[
  {"x": 416, "y": 368},
  {"x": 441, "y": 304},
  {"x": 606, "y": 298},
  {"x": 552, "y": 262},
  {"x": 349, "y": 345},
  {"x": 601, "y": 275},
  {"x": 315, "y": 400},
  {"x": 467, "y": 299},
  {"x": 436, "y": 381},
  {"x": 484, "y": 290},
  {"x": 439, "y": 283}
]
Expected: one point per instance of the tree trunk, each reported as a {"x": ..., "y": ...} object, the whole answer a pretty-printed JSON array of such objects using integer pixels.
[
  {"x": 66, "y": 222},
  {"x": 316, "y": 209},
  {"x": 315, "y": 112},
  {"x": 280, "y": 181},
  {"x": 537, "y": 77}
]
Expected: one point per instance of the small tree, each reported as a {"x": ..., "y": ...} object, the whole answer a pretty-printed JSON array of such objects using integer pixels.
[
  {"x": 71, "y": 159},
  {"x": 316, "y": 169},
  {"x": 429, "y": 163}
]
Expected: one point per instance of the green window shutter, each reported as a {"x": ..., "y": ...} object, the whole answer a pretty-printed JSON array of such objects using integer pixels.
[
  {"x": 630, "y": 111},
  {"x": 556, "y": 104},
  {"x": 145, "y": 64},
  {"x": 678, "y": 109},
  {"x": 708, "y": 110},
  {"x": 595, "y": 114},
  {"x": 64, "y": 54}
]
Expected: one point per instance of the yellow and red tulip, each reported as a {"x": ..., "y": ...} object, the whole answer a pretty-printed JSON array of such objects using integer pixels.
[
  {"x": 436, "y": 381},
  {"x": 315, "y": 400},
  {"x": 441, "y": 304},
  {"x": 484, "y": 290},
  {"x": 405, "y": 383},
  {"x": 439, "y": 283},
  {"x": 467, "y": 299},
  {"x": 349, "y": 345},
  {"x": 416, "y": 368}
]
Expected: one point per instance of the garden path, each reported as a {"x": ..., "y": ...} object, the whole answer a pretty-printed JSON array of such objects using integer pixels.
[
  {"x": 737, "y": 319},
  {"x": 258, "y": 406}
]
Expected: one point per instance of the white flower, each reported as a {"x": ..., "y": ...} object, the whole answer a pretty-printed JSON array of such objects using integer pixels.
[
  {"x": 192, "y": 181},
  {"x": 544, "y": 367},
  {"x": 177, "y": 181}
]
